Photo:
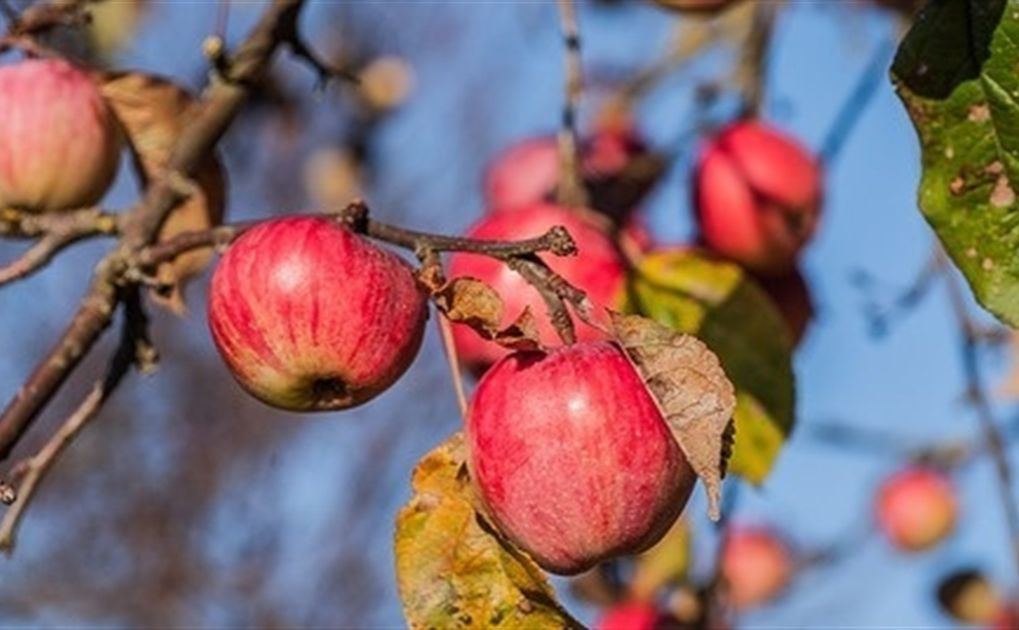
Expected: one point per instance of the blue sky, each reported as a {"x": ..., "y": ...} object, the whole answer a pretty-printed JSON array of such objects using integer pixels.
[{"x": 488, "y": 73}]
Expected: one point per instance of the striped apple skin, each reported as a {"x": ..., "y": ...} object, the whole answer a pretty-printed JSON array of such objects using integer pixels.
[
  {"x": 60, "y": 144},
  {"x": 572, "y": 456},
  {"x": 312, "y": 317},
  {"x": 598, "y": 269}
]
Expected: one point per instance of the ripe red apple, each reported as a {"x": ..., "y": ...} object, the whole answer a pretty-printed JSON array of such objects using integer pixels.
[
  {"x": 916, "y": 508},
  {"x": 573, "y": 457},
  {"x": 695, "y": 6},
  {"x": 757, "y": 566},
  {"x": 630, "y": 616},
  {"x": 60, "y": 142},
  {"x": 529, "y": 171},
  {"x": 791, "y": 296},
  {"x": 758, "y": 196},
  {"x": 312, "y": 317},
  {"x": 597, "y": 269}
]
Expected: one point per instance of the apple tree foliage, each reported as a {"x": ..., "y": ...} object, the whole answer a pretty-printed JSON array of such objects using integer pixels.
[{"x": 957, "y": 72}]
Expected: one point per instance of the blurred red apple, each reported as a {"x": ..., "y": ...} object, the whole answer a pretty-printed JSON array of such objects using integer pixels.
[
  {"x": 758, "y": 196},
  {"x": 528, "y": 172},
  {"x": 756, "y": 564},
  {"x": 916, "y": 508},
  {"x": 573, "y": 457},
  {"x": 630, "y": 616},
  {"x": 312, "y": 317},
  {"x": 61, "y": 144},
  {"x": 597, "y": 269},
  {"x": 695, "y": 6}
]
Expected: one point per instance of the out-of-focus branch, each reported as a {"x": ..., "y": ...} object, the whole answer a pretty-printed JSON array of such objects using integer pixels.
[
  {"x": 979, "y": 399},
  {"x": 27, "y": 474},
  {"x": 571, "y": 189},
  {"x": 753, "y": 68},
  {"x": 140, "y": 225}
]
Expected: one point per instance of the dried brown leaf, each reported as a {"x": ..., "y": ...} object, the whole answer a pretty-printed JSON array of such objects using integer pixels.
[
  {"x": 472, "y": 302},
  {"x": 154, "y": 112},
  {"x": 693, "y": 391}
]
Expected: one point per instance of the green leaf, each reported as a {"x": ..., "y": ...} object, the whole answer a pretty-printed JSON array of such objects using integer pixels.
[
  {"x": 957, "y": 72},
  {"x": 453, "y": 569},
  {"x": 715, "y": 301}
]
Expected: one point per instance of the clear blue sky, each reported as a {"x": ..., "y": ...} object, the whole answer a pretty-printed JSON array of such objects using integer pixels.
[{"x": 490, "y": 72}]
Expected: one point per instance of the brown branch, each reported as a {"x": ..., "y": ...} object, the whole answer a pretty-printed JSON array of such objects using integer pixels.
[
  {"x": 57, "y": 231},
  {"x": 570, "y": 191},
  {"x": 979, "y": 399},
  {"x": 29, "y": 473},
  {"x": 140, "y": 226},
  {"x": 753, "y": 70}
]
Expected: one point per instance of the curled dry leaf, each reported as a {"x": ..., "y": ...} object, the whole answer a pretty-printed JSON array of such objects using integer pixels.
[
  {"x": 695, "y": 395},
  {"x": 472, "y": 302},
  {"x": 153, "y": 112},
  {"x": 453, "y": 569}
]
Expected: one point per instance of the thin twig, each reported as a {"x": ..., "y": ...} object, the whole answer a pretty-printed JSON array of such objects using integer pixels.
[
  {"x": 980, "y": 400},
  {"x": 872, "y": 77},
  {"x": 31, "y": 472},
  {"x": 570, "y": 191},
  {"x": 141, "y": 225},
  {"x": 753, "y": 67},
  {"x": 453, "y": 359}
]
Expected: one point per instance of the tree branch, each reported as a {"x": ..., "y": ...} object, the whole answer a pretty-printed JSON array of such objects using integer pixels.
[
  {"x": 140, "y": 225},
  {"x": 571, "y": 190}
]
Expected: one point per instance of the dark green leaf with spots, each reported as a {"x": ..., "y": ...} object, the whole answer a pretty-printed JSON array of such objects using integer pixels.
[{"x": 958, "y": 74}]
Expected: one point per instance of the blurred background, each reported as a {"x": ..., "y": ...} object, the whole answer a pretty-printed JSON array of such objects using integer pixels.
[{"x": 189, "y": 503}]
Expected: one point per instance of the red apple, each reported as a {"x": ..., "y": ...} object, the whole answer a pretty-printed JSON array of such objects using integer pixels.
[
  {"x": 312, "y": 317},
  {"x": 758, "y": 196},
  {"x": 529, "y": 171},
  {"x": 695, "y": 6},
  {"x": 756, "y": 565},
  {"x": 60, "y": 142},
  {"x": 598, "y": 269},
  {"x": 526, "y": 173},
  {"x": 630, "y": 616},
  {"x": 916, "y": 508},
  {"x": 791, "y": 296},
  {"x": 573, "y": 457}
]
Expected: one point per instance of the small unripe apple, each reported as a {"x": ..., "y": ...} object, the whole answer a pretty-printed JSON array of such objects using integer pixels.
[
  {"x": 572, "y": 456},
  {"x": 916, "y": 508},
  {"x": 60, "y": 142},
  {"x": 312, "y": 317},
  {"x": 630, "y": 616},
  {"x": 695, "y": 6},
  {"x": 758, "y": 196},
  {"x": 598, "y": 269},
  {"x": 757, "y": 566}
]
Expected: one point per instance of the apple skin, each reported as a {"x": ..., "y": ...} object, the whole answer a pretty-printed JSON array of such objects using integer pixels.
[
  {"x": 312, "y": 317},
  {"x": 61, "y": 143},
  {"x": 756, "y": 564},
  {"x": 757, "y": 194},
  {"x": 630, "y": 616},
  {"x": 529, "y": 171},
  {"x": 695, "y": 6},
  {"x": 598, "y": 269},
  {"x": 573, "y": 458},
  {"x": 916, "y": 508}
]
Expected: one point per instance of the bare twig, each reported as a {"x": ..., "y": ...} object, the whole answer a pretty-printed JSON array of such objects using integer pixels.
[
  {"x": 57, "y": 232},
  {"x": 453, "y": 358},
  {"x": 30, "y": 472},
  {"x": 753, "y": 68},
  {"x": 980, "y": 400},
  {"x": 141, "y": 224},
  {"x": 571, "y": 190}
]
